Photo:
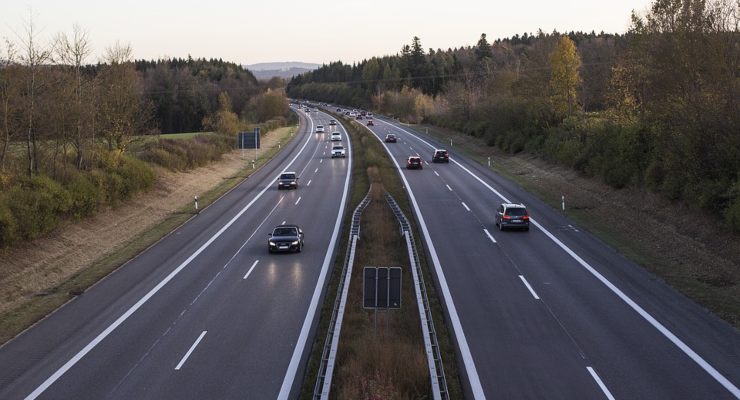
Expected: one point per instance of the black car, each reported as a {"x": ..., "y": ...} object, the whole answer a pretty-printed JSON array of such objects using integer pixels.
[
  {"x": 285, "y": 238},
  {"x": 512, "y": 216},
  {"x": 440, "y": 155},
  {"x": 288, "y": 180},
  {"x": 390, "y": 138}
]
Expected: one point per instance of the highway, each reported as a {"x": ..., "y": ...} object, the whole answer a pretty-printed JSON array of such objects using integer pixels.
[
  {"x": 207, "y": 312},
  {"x": 553, "y": 313}
]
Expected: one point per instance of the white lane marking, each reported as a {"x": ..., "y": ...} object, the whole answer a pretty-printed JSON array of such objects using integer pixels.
[
  {"x": 309, "y": 183},
  {"x": 323, "y": 154},
  {"x": 115, "y": 324},
  {"x": 708, "y": 368},
  {"x": 316, "y": 170},
  {"x": 283, "y": 222},
  {"x": 411, "y": 148},
  {"x": 321, "y": 160},
  {"x": 489, "y": 235},
  {"x": 466, "y": 206},
  {"x": 185, "y": 357},
  {"x": 310, "y": 314},
  {"x": 462, "y": 342},
  {"x": 449, "y": 188},
  {"x": 435, "y": 173},
  {"x": 298, "y": 201},
  {"x": 250, "y": 269},
  {"x": 600, "y": 383},
  {"x": 534, "y": 294}
]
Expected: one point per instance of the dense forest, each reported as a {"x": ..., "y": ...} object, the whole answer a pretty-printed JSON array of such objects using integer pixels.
[
  {"x": 75, "y": 135},
  {"x": 656, "y": 107}
]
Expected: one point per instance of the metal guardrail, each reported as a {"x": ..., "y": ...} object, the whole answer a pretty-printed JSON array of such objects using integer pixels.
[
  {"x": 329, "y": 353},
  {"x": 434, "y": 359}
]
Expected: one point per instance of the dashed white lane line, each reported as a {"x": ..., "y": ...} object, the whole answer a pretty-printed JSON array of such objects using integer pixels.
[
  {"x": 283, "y": 222},
  {"x": 251, "y": 269},
  {"x": 524, "y": 280},
  {"x": 489, "y": 235},
  {"x": 322, "y": 160},
  {"x": 435, "y": 173},
  {"x": 298, "y": 201},
  {"x": 185, "y": 357},
  {"x": 466, "y": 206},
  {"x": 309, "y": 183},
  {"x": 600, "y": 383},
  {"x": 449, "y": 188},
  {"x": 316, "y": 170}
]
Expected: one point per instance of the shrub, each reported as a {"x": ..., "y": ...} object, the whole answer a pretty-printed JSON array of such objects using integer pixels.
[
  {"x": 85, "y": 196},
  {"x": 8, "y": 224}
]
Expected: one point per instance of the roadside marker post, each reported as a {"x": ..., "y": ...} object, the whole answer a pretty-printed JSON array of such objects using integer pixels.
[
  {"x": 196, "y": 205},
  {"x": 562, "y": 200}
]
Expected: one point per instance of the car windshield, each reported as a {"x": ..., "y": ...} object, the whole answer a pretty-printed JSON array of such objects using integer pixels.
[
  {"x": 414, "y": 160},
  {"x": 285, "y": 232},
  {"x": 338, "y": 147},
  {"x": 287, "y": 176},
  {"x": 516, "y": 212}
]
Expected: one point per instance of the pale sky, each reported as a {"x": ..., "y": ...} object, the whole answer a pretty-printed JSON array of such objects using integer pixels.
[{"x": 316, "y": 31}]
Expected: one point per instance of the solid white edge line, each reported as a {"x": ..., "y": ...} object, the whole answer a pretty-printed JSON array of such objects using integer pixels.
[
  {"x": 115, "y": 324},
  {"x": 435, "y": 173},
  {"x": 600, "y": 383},
  {"x": 449, "y": 188},
  {"x": 185, "y": 357},
  {"x": 303, "y": 337},
  {"x": 534, "y": 294},
  {"x": 462, "y": 343},
  {"x": 466, "y": 206},
  {"x": 298, "y": 201},
  {"x": 489, "y": 235},
  {"x": 250, "y": 269},
  {"x": 708, "y": 368}
]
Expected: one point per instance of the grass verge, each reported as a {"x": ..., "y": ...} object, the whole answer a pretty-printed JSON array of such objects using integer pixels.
[
  {"x": 701, "y": 261},
  {"x": 372, "y": 165},
  {"x": 16, "y": 320}
]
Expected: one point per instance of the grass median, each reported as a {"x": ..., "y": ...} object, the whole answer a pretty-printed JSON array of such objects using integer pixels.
[{"x": 384, "y": 358}]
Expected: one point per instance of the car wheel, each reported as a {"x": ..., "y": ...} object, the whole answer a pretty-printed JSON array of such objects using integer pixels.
[
  {"x": 526, "y": 229},
  {"x": 501, "y": 227},
  {"x": 300, "y": 246}
]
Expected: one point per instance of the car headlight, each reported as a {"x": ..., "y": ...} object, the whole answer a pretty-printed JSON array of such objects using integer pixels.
[
  {"x": 295, "y": 243},
  {"x": 271, "y": 243}
]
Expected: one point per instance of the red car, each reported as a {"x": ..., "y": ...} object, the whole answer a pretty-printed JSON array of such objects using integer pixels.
[
  {"x": 390, "y": 138},
  {"x": 414, "y": 162}
]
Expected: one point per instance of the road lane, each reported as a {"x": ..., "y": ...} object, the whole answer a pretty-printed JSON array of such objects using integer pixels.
[
  {"x": 136, "y": 359},
  {"x": 633, "y": 359}
]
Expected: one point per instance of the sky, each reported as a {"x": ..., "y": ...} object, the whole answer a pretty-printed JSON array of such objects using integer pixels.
[{"x": 317, "y": 31}]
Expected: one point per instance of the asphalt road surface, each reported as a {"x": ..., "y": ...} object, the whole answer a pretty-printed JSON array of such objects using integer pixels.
[
  {"x": 207, "y": 312},
  {"x": 554, "y": 313}
]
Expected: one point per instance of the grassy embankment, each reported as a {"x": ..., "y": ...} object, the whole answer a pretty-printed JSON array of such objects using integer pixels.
[
  {"x": 690, "y": 264},
  {"x": 385, "y": 360},
  {"x": 41, "y": 304}
]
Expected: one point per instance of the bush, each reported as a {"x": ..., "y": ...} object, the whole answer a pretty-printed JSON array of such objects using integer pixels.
[
  {"x": 8, "y": 224},
  {"x": 85, "y": 196}
]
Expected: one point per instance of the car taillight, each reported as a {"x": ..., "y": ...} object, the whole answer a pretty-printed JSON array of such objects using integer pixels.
[
  {"x": 526, "y": 217},
  {"x": 506, "y": 217}
]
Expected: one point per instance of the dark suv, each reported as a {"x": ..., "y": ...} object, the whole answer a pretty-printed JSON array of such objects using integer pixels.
[
  {"x": 285, "y": 238},
  {"x": 288, "y": 180},
  {"x": 512, "y": 216},
  {"x": 440, "y": 155}
]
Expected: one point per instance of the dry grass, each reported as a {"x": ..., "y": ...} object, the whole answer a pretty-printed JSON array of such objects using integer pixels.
[
  {"x": 381, "y": 358},
  {"x": 39, "y": 276},
  {"x": 687, "y": 248}
]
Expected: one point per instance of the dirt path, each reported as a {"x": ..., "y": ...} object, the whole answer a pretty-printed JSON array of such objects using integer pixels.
[{"x": 35, "y": 267}]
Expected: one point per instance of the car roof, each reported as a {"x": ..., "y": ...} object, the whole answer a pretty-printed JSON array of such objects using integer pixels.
[
  {"x": 440, "y": 150},
  {"x": 287, "y": 226},
  {"x": 513, "y": 205},
  {"x": 410, "y": 157},
  {"x": 287, "y": 172}
]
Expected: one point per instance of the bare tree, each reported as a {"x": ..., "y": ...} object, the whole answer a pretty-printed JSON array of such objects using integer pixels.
[
  {"x": 33, "y": 57},
  {"x": 73, "y": 51},
  {"x": 8, "y": 94}
]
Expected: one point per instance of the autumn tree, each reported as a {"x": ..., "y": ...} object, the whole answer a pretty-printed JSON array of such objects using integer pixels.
[
  {"x": 9, "y": 95},
  {"x": 565, "y": 77},
  {"x": 123, "y": 111}
]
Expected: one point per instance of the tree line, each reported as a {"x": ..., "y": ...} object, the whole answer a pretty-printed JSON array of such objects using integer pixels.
[
  {"x": 75, "y": 134},
  {"x": 655, "y": 107}
]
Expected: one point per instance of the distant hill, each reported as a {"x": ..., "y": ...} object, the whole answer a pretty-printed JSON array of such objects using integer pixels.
[{"x": 287, "y": 70}]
